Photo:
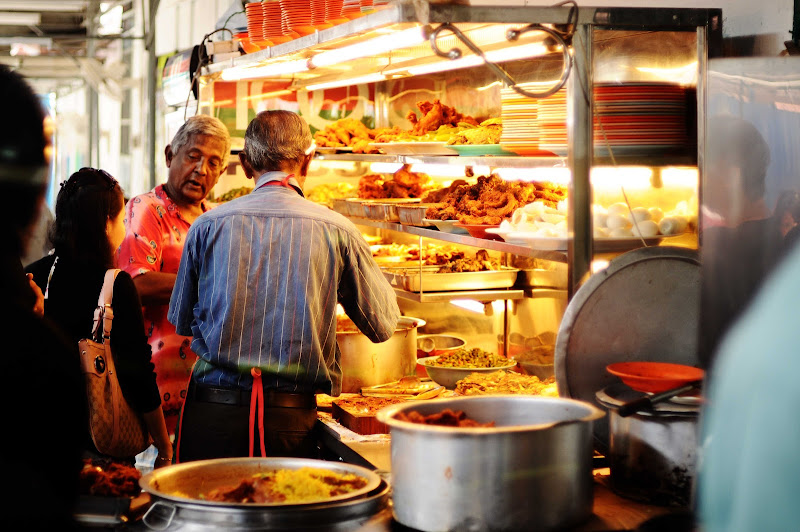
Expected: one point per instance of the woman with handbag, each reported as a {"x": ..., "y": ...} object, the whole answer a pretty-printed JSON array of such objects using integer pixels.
[{"x": 88, "y": 229}]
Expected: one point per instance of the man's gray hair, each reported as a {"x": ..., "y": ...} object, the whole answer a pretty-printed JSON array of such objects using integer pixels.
[
  {"x": 201, "y": 125},
  {"x": 276, "y": 136}
]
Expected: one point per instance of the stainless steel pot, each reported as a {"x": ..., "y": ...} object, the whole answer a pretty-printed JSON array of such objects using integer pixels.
[
  {"x": 533, "y": 470},
  {"x": 652, "y": 454},
  {"x": 365, "y": 363},
  {"x": 174, "y": 492}
]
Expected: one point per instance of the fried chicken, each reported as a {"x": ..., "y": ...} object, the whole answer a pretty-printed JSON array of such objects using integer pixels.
[
  {"x": 403, "y": 184},
  {"x": 492, "y": 200},
  {"x": 435, "y": 114}
]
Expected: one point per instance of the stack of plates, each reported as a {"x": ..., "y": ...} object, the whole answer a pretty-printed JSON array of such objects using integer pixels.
[
  {"x": 351, "y": 8},
  {"x": 629, "y": 119},
  {"x": 319, "y": 12},
  {"x": 275, "y": 29},
  {"x": 298, "y": 16},
  {"x": 255, "y": 22},
  {"x": 333, "y": 12},
  {"x": 528, "y": 125},
  {"x": 637, "y": 118}
]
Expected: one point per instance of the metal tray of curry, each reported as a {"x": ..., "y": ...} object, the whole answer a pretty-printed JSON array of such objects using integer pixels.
[
  {"x": 193, "y": 482},
  {"x": 427, "y": 279}
]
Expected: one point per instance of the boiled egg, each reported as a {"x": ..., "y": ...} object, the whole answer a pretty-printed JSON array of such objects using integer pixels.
[
  {"x": 646, "y": 228},
  {"x": 617, "y": 221}
]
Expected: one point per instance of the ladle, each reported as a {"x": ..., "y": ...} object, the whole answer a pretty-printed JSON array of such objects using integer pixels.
[{"x": 647, "y": 402}]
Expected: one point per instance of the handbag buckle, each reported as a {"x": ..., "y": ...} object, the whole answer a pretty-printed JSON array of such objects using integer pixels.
[{"x": 99, "y": 364}]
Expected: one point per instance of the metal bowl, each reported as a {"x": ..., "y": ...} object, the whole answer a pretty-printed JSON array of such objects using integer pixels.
[
  {"x": 186, "y": 483},
  {"x": 449, "y": 377},
  {"x": 431, "y": 345}
]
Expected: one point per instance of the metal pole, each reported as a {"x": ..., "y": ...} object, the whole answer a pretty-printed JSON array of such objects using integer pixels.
[
  {"x": 581, "y": 150},
  {"x": 152, "y": 61},
  {"x": 92, "y": 100}
]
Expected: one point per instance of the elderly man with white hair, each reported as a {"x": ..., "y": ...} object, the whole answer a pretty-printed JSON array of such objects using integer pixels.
[{"x": 156, "y": 225}]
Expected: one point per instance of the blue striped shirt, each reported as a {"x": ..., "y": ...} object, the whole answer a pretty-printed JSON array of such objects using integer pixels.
[{"x": 258, "y": 284}]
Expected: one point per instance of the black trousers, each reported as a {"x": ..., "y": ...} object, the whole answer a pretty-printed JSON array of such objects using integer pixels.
[{"x": 215, "y": 423}]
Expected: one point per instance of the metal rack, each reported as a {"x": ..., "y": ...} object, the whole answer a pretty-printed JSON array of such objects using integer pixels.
[{"x": 430, "y": 18}]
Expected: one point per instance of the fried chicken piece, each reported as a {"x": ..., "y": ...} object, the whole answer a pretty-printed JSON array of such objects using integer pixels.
[
  {"x": 370, "y": 186},
  {"x": 435, "y": 114}
]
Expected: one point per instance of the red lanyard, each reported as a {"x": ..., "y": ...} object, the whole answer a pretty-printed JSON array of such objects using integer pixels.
[{"x": 282, "y": 183}]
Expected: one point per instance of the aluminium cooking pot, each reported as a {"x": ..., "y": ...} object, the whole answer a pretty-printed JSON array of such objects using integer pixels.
[
  {"x": 365, "y": 363},
  {"x": 532, "y": 470},
  {"x": 653, "y": 452}
]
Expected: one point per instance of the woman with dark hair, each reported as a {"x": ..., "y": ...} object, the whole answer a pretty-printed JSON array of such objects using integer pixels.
[{"x": 88, "y": 229}]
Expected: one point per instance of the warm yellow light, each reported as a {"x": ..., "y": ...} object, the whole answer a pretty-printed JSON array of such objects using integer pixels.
[
  {"x": 494, "y": 56},
  {"x": 369, "y": 78},
  {"x": 278, "y": 69},
  {"x": 469, "y": 304},
  {"x": 552, "y": 174},
  {"x": 680, "y": 176},
  {"x": 386, "y": 43},
  {"x": 685, "y": 75},
  {"x": 265, "y": 95},
  {"x": 630, "y": 177}
]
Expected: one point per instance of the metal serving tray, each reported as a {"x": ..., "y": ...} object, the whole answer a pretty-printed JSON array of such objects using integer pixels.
[{"x": 409, "y": 279}]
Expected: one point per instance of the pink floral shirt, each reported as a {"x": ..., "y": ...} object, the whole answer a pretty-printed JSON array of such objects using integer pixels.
[{"x": 155, "y": 233}]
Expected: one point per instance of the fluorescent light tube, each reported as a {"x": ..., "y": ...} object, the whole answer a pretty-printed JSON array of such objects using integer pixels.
[
  {"x": 278, "y": 69},
  {"x": 20, "y": 19},
  {"x": 344, "y": 82},
  {"x": 378, "y": 45}
]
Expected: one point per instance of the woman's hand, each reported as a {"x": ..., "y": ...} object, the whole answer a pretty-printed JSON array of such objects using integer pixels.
[
  {"x": 38, "y": 307},
  {"x": 163, "y": 460}
]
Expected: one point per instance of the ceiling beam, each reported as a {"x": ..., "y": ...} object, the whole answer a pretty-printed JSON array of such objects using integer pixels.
[{"x": 63, "y": 6}]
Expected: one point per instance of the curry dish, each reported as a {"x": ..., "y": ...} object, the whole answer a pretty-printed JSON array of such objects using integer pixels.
[
  {"x": 291, "y": 486},
  {"x": 445, "y": 418}
]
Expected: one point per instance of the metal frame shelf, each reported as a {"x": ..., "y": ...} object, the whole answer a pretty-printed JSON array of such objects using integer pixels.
[
  {"x": 478, "y": 295},
  {"x": 495, "y": 245}
]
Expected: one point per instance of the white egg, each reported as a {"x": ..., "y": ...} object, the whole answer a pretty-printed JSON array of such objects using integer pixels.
[
  {"x": 552, "y": 218},
  {"x": 505, "y": 225},
  {"x": 647, "y": 228},
  {"x": 620, "y": 232},
  {"x": 673, "y": 225},
  {"x": 656, "y": 214},
  {"x": 599, "y": 218},
  {"x": 600, "y": 232},
  {"x": 534, "y": 209},
  {"x": 617, "y": 221},
  {"x": 519, "y": 217},
  {"x": 618, "y": 208},
  {"x": 640, "y": 214}
]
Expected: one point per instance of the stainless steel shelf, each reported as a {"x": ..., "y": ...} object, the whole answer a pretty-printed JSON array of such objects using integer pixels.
[
  {"x": 495, "y": 245},
  {"x": 478, "y": 295},
  {"x": 453, "y": 160}
]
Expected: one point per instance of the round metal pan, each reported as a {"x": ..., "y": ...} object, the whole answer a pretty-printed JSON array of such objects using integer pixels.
[
  {"x": 643, "y": 307},
  {"x": 169, "y": 515},
  {"x": 186, "y": 483}
]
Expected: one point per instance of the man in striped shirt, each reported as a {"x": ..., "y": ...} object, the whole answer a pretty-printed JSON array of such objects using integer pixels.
[{"x": 257, "y": 289}]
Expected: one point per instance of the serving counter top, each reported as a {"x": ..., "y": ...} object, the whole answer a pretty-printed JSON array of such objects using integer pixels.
[{"x": 610, "y": 512}]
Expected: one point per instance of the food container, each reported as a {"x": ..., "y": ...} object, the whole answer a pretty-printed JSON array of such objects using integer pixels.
[
  {"x": 652, "y": 454},
  {"x": 374, "y": 210},
  {"x": 449, "y": 376},
  {"x": 433, "y": 345},
  {"x": 173, "y": 507},
  {"x": 413, "y": 214},
  {"x": 533, "y": 470},
  {"x": 355, "y": 207},
  {"x": 410, "y": 279},
  {"x": 365, "y": 363},
  {"x": 340, "y": 205}
]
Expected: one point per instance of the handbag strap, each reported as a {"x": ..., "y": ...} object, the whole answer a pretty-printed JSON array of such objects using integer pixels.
[{"x": 104, "y": 312}]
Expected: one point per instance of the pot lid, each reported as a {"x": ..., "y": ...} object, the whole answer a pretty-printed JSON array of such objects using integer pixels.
[
  {"x": 643, "y": 307},
  {"x": 618, "y": 394}
]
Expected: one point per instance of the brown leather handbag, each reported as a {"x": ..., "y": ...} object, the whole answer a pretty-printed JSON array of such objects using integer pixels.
[{"x": 117, "y": 429}]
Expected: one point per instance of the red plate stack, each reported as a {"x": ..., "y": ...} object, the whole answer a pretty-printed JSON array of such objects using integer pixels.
[
  {"x": 298, "y": 16},
  {"x": 319, "y": 14},
  {"x": 351, "y": 9},
  {"x": 333, "y": 12},
  {"x": 255, "y": 22}
]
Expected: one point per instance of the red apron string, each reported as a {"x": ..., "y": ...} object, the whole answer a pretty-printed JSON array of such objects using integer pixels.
[{"x": 257, "y": 408}]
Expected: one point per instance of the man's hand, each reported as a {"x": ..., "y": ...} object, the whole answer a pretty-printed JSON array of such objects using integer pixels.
[{"x": 38, "y": 307}]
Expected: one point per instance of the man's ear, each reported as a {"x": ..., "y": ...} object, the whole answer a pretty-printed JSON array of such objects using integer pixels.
[
  {"x": 248, "y": 170},
  {"x": 306, "y": 162},
  {"x": 168, "y": 154}
]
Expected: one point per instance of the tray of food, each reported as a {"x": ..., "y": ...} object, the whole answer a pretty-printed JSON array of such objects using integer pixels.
[
  {"x": 414, "y": 215},
  {"x": 430, "y": 280},
  {"x": 409, "y": 387}
]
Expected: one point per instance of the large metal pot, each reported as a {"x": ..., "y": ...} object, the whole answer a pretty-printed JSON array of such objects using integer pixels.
[
  {"x": 365, "y": 363},
  {"x": 176, "y": 505},
  {"x": 533, "y": 470},
  {"x": 652, "y": 454}
]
